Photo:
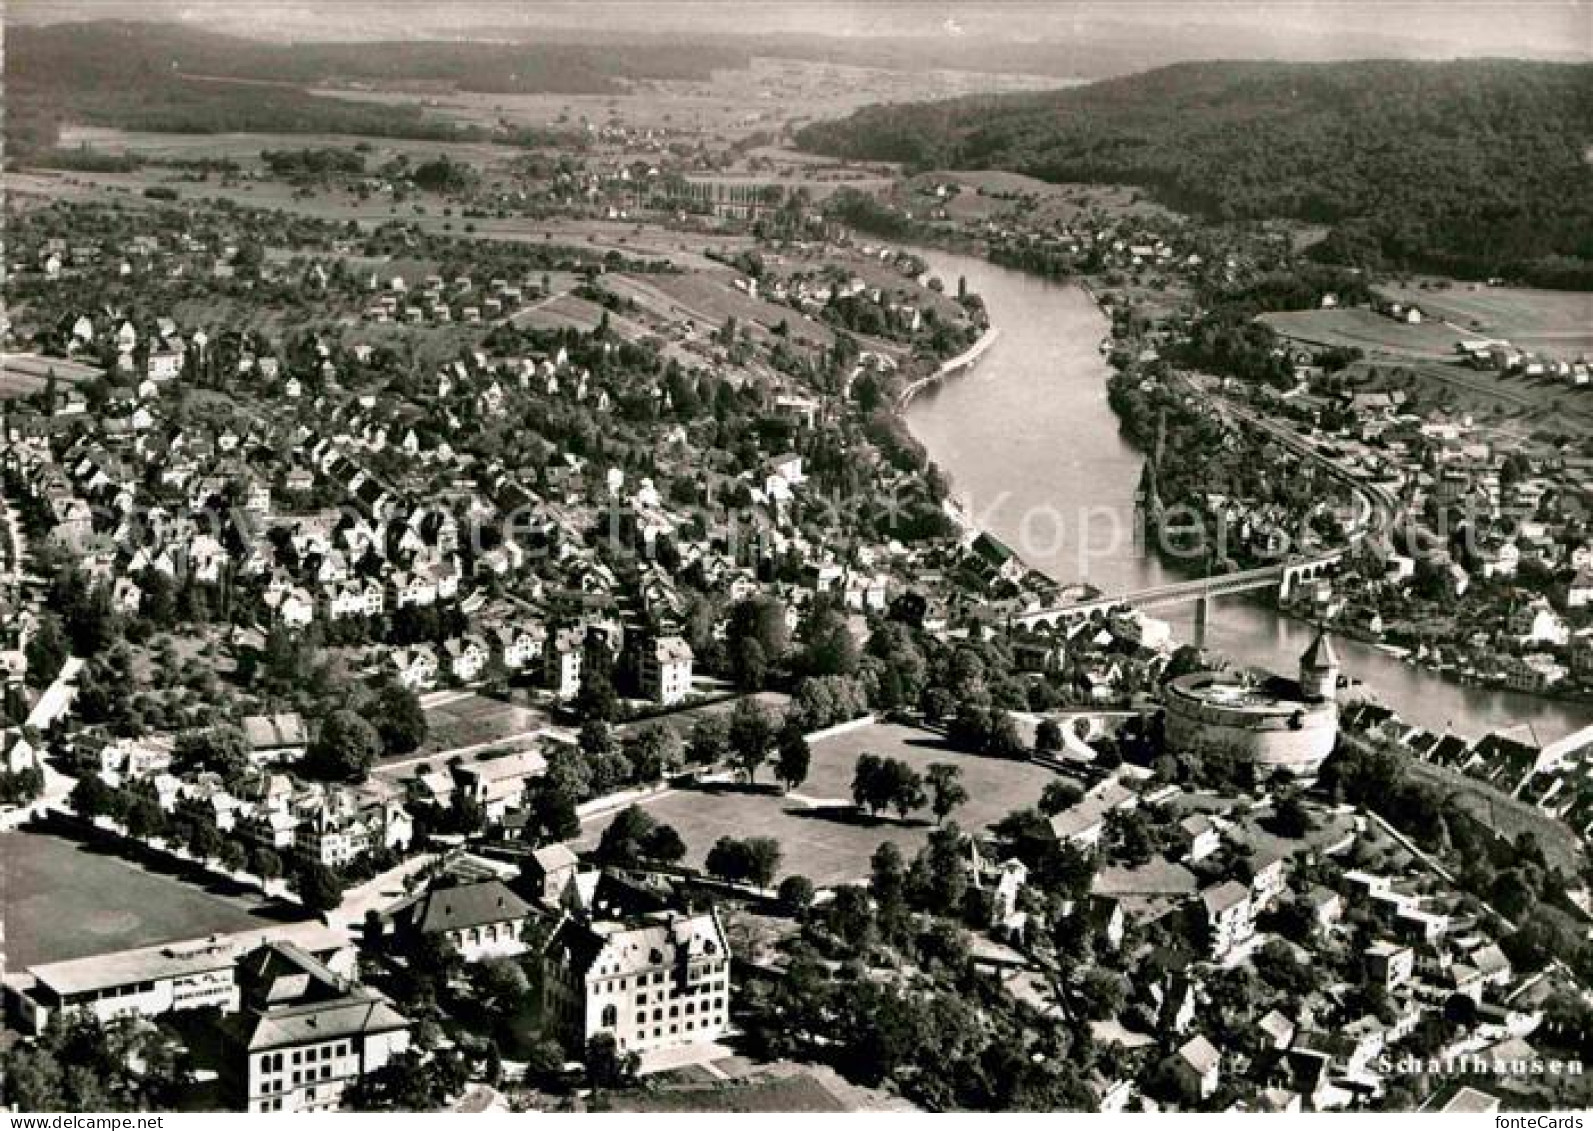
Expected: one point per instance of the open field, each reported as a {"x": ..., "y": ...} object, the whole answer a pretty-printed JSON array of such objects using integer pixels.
[
  {"x": 66, "y": 899},
  {"x": 709, "y": 300},
  {"x": 733, "y": 105},
  {"x": 1558, "y": 323},
  {"x": 1365, "y": 330},
  {"x": 244, "y": 148},
  {"x": 996, "y": 786},
  {"x": 41, "y": 187},
  {"x": 23, "y": 374},
  {"x": 989, "y": 193},
  {"x": 472, "y": 719},
  {"x": 822, "y": 837}
]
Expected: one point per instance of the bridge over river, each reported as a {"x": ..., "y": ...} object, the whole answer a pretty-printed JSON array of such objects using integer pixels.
[{"x": 1282, "y": 576}]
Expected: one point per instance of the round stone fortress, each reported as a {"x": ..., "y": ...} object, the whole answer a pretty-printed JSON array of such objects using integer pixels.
[{"x": 1279, "y": 723}]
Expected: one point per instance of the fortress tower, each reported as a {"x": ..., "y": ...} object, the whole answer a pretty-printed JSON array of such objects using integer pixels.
[{"x": 1319, "y": 669}]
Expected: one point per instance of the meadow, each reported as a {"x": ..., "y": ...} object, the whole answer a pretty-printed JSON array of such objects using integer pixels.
[
  {"x": 63, "y": 898},
  {"x": 1368, "y": 331},
  {"x": 822, "y": 837}
]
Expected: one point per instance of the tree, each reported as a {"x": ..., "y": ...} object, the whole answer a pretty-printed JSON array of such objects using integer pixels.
[
  {"x": 664, "y": 844},
  {"x": 551, "y": 813},
  {"x": 606, "y": 1066},
  {"x": 888, "y": 881},
  {"x": 754, "y": 861},
  {"x": 346, "y": 748},
  {"x": 654, "y": 752},
  {"x": 500, "y": 985},
  {"x": 205, "y": 841},
  {"x": 317, "y": 886},
  {"x": 596, "y": 738},
  {"x": 866, "y": 782},
  {"x": 400, "y": 719},
  {"x": 1048, "y": 736},
  {"x": 234, "y": 855},
  {"x": 223, "y": 748},
  {"x": 1290, "y": 817},
  {"x": 91, "y": 797},
  {"x": 946, "y": 789},
  {"x": 850, "y": 917},
  {"x": 938, "y": 880},
  {"x": 47, "y": 650},
  {"x": 621, "y": 842},
  {"x": 749, "y": 737},
  {"x": 145, "y": 821},
  {"x": 829, "y": 648},
  {"x": 265, "y": 863},
  {"x": 762, "y": 620},
  {"x": 727, "y": 860},
  {"x": 749, "y": 666},
  {"x": 1101, "y": 994},
  {"x": 763, "y": 860},
  {"x": 796, "y": 892},
  {"x": 710, "y": 739},
  {"x": 597, "y": 698},
  {"x": 792, "y": 755},
  {"x": 1059, "y": 794},
  {"x": 905, "y": 786},
  {"x": 81, "y": 1063}
]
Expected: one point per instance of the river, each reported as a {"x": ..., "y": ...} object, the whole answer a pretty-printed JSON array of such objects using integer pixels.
[{"x": 1035, "y": 456}]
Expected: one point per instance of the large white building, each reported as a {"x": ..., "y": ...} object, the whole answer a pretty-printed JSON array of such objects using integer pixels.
[
  {"x": 666, "y": 670},
  {"x": 655, "y": 981},
  {"x": 147, "y": 981},
  {"x": 307, "y": 1033}
]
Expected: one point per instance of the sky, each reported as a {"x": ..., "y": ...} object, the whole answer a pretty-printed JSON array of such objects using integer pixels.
[{"x": 1562, "y": 28}]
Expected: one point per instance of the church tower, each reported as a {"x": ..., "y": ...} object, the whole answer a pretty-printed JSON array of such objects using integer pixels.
[{"x": 1319, "y": 668}]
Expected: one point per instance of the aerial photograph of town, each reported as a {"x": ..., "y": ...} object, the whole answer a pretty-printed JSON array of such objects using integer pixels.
[{"x": 726, "y": 556}]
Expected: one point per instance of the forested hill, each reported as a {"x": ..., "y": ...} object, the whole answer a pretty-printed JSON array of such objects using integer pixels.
[{"x": 1479, "y": 167}]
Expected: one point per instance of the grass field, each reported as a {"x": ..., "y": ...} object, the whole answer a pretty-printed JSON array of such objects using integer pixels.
[
  {"x": 1365, "y": 330},
  {"x": 822, "y": 837},
  {"x": 1558, "y": 323},
  {"x": 472, "y": 719},
  {"x": 63, "y": 899},
  {"x": 23, "y": 374}
]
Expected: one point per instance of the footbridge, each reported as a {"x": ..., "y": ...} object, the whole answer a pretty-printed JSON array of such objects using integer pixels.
[{"x": 1283, "y": 576}]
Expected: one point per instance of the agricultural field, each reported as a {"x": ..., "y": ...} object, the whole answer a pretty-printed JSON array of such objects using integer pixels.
[
  {"x": 990, "y": 194},
  {"x": 468, "y": 719},
  {"x": 65, "y": 899},
  {"x": 1368, "y": 331},
  {"x": 244, "y": 148},
  {"x": 1555, "y": 323},
  {"x": 822, "y": 837},
  {"x": 734, "y": 105},
  {"x": 23, "y": 374}
]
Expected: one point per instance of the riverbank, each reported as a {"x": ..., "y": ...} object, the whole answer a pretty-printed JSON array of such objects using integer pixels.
[{"x": 966, "y": 360}]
